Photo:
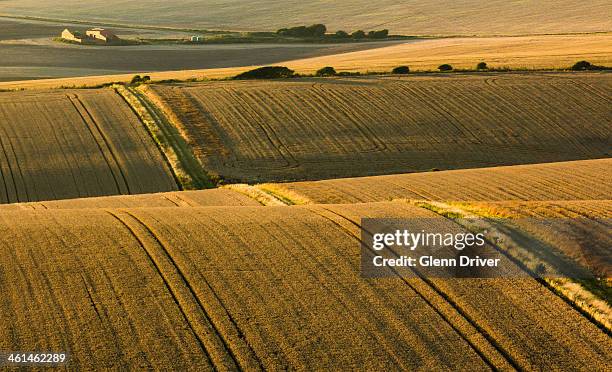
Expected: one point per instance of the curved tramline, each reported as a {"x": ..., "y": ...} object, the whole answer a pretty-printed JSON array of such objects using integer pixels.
[
  {"x": 574, "y": 180},
  {"x": 264, "y": 288},
  {"x": 326, "y": 128},
  {"x": 75, "y": 143}
]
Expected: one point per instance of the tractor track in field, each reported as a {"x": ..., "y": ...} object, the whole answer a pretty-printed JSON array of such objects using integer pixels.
[
  {"x": 78, "y": 106},
  {"x": 478, "y": 350},
  {"x": 167, "y": 284},
  {"x": 107, "y": 143},
  {"x": 12, "y": 172},
  {"x": 5, "y": 178},
  {"x": 166, "y": 266}
]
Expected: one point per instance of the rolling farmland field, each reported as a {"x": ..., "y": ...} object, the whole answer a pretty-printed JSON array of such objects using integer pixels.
[
  {"x": 24, "y": 42},
  {"x": 101, "y": 257},
  {"x": 184, "y": 199},
  {"x": 329, "y": 128},
  {"x": 575, "y": 180},
  {"x": 274, "y": 287},
  {"x": 467, "y": 17},
  {"x": 519, "y": 52},
  {"x": 70, "y": 144}
]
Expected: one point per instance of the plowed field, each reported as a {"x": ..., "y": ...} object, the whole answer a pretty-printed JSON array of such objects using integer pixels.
[
  {"x": 321, "y": 128},
  {"x": 70, "y": 144},
  {"x": 274, "y": 288}
]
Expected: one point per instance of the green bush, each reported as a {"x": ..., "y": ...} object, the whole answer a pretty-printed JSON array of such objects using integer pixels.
[
  {"x": 445, "y": 67},
  {"x": 482, "y": 66},
  {"x": 317, "y": 30},
  {"x": 137, "y": 79},
  {"x": 382, "y": 34},
  {"x": 585, "y": 66},
  {"x": 268, "y": 72},
  {"x": 327, "y": 71},
  {"x": 582, "y": 66},
  {"x": 342, "y": 34},
  {"x": 359, "y": 34},
  {"x": 401, "y": 70}
]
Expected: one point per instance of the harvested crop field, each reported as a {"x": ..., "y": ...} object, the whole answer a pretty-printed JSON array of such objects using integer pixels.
[
  {"x": 274, "y": 288},
  {"x": 574, "y": 180},
  {"x": 75, "y": 143},
  {"x": 328, "y": 128}
]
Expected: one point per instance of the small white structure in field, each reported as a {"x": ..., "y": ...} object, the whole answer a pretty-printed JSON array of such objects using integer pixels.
[
  {"x": 197, "y": 39},
  {"x": 72, "y": 36},
  {"x": 101, "y": 34}
]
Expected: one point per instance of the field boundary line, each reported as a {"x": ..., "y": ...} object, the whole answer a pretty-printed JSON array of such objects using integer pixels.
[
  {"x": 189, "y": 163},
  {"x": 186, "y": 169},
  {"x": 493, "y": 361},
  {"x": 102, "y": 152},
  {"x": 228, "y": 359},
  {"x": 570, "y": 291},
  {"x": 290, "y": 197}
]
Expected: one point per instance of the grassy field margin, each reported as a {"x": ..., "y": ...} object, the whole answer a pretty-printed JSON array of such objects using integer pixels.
[
  {"x": 187, "y": 170},
  {"x": 572, "y": 291}
]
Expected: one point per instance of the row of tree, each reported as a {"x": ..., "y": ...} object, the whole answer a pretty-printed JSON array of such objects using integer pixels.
[{"x": 320, "y": 30}]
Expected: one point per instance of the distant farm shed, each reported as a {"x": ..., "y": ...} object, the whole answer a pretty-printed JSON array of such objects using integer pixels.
[
  {"x": 73, "y": 36},
  {"x": 102, "y": 34}
]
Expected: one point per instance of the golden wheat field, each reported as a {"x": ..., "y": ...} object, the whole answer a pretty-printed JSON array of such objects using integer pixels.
[
  {"x": 524, "y": 52},
  {"x": 571, "y": 182},
  {"x": 184, "y": 199},
  {"x": 263, "y": 288},
  {"x": 518, "y": 52},
  {"x": 467, "y": 17},
  {"x": 574, "y": 180},
  {"x": 75, "y": 143},
  {"x": 322, "y": 128}
]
